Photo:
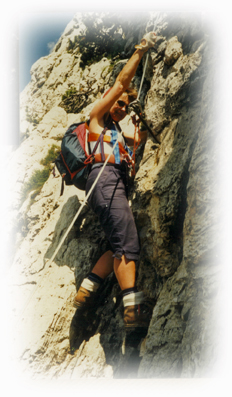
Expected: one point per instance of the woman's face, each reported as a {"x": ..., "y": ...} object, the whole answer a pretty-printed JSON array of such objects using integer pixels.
[{"x": 119, "y": 110}]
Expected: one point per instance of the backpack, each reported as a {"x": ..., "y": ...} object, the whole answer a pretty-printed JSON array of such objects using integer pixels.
[{"x": 74, "y": 162}]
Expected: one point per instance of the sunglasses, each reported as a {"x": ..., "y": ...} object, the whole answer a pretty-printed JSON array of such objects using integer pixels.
[{"x": 122, "y": 104}]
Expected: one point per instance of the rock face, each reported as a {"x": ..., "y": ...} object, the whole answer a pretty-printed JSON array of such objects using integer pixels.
[{"x": 173, "y": 200}]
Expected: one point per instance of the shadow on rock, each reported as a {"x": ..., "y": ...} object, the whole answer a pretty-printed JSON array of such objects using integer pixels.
[
  {"x": 66, "y": 217},
  {"x": 82, "y": 327},
  {"x": 86, "y": 322},
  {"x": 130, "y": 354}
]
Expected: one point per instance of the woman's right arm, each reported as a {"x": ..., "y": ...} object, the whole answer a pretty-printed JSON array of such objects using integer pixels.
[{"x": 122, "y": 82}]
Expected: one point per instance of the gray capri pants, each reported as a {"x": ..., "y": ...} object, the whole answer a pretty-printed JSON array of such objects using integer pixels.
[{"x": 109, "y": 201}]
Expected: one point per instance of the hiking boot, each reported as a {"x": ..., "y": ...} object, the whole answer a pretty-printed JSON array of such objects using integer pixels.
[
  {"x": 87, "y": 292},
  {"x": 84, "y": 298},
  {"x": 137, "y": 316}
]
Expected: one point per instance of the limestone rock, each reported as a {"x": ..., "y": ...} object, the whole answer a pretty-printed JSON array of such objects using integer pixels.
[
  {"x": 56, "y": 117},
  {"x": 173, "y": 51},
  {"x": 92, "y": 362}
]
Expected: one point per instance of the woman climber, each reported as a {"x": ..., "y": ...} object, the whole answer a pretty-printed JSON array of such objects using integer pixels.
[{"x": 109, "y": 197}]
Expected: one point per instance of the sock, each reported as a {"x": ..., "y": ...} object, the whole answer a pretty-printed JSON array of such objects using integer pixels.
[
  {"x": 133, "y": 298},
  {"x": 92, "y": 283},
  {"x": 95, "y": 278},
  {"x": 129, "y": 291}
]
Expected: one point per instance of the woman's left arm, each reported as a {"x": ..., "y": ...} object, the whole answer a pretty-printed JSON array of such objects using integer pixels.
[{"x": 131, "y": 137}]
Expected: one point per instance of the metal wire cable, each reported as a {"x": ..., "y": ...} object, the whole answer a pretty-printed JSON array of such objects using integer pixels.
[{"x": 144, "y": 71}]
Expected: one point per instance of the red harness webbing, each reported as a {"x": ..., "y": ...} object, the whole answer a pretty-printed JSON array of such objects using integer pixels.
[
  {"x": 93, "y": 137},
  {"x": 136, "y": 123}
]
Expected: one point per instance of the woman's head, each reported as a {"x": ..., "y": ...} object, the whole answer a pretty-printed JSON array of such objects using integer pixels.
[{"x": 120, "y": 108}]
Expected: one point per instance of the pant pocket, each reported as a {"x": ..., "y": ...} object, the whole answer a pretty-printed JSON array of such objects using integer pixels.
[{"x": 110, "y": 184}]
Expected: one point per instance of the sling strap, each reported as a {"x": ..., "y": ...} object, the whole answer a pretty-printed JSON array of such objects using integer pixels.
[
  {"x": 92, "y": 137},
  {"x": 114, "y": 138}
]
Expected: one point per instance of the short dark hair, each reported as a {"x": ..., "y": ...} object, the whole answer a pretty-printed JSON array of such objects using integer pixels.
[{"x": 132, "y": 94}]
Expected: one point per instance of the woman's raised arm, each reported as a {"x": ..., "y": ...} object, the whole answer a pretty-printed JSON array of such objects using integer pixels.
[{"x": 123, "y": 80}]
